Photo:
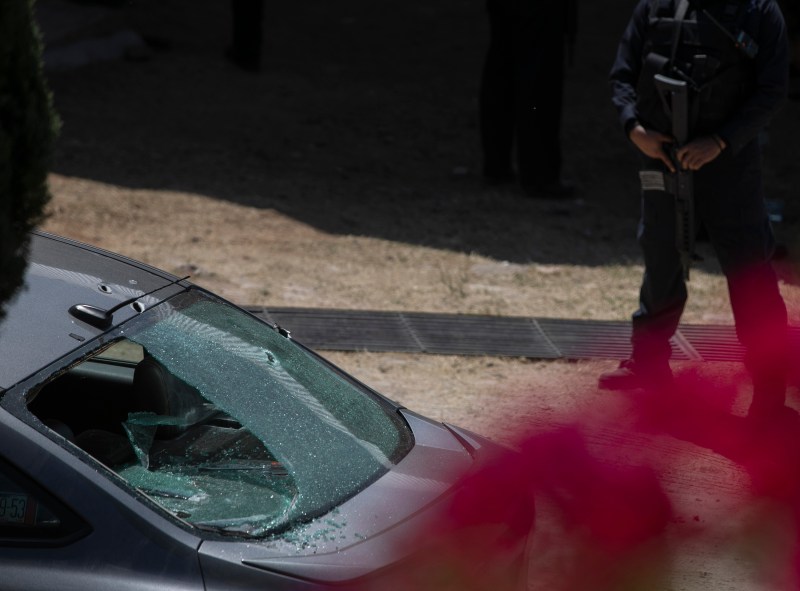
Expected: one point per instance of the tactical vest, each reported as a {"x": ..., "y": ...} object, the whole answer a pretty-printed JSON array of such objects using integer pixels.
[{"x": 719, "y": 73}]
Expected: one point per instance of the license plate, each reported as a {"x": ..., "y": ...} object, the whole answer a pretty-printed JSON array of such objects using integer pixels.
[{"x": 16, "y": 508}]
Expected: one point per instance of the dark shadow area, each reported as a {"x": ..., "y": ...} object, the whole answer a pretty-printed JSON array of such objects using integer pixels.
[{"x": 362, "y": 120}]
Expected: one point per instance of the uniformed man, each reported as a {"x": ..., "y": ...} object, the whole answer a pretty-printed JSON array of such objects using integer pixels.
[{"x": 733, "y": 57}]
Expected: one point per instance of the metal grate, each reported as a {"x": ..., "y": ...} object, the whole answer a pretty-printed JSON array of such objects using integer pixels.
[
  {"x": 578, "y": 339},
  {"x": 714, "y": 343},
  {"x": 345, "y": 330},
  {"x": 464, "y": 334},
  {"x": 480, "y": 335}
]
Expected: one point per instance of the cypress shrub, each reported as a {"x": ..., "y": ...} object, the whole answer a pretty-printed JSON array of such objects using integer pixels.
[{"x": 28, "y": 128}]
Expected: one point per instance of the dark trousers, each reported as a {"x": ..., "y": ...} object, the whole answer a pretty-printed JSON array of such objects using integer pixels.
[
  {"x": 247, "y": 16},
  {"x": 520, "y": 99},
  {"x": 729, "y": 203}
]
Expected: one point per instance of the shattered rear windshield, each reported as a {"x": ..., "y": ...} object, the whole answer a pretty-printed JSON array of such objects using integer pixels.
[{"x": 221, "y": 420}]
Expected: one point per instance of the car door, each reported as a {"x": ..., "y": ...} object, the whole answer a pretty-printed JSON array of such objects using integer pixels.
[{"x": 65, "y": 525}]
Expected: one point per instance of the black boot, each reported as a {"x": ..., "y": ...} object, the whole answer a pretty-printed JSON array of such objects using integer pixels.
[{"x": 634, "y": 375}]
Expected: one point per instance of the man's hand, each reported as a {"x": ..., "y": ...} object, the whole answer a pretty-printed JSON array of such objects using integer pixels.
[
  {"x": 651, "y": 144},
  {"x": 699, "y": 152}
]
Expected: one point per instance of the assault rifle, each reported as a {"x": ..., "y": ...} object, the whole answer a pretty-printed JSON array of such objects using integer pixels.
[{"x": 675, "y": 97}]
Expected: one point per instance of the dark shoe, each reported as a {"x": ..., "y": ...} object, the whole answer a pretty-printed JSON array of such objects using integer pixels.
[
  {"x": 554, "y": 190},
  {"x": 769, "y": 421},
  {"x": 780, "y": 253},
  {"x": 632, "y": 376},
  {"x": 499, "y": 179},
  {"x": 769, "y": 394},
  {"x": 248, "y": 63}
]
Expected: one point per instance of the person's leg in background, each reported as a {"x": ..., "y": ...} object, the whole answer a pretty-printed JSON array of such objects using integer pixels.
[{"x": 245, "y": 49}]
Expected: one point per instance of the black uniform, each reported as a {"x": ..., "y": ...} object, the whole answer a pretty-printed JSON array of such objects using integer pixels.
[
  {"x": 733, "y": 96},
  {"x": 522, "y": 89},
  {"x": 791, "y": 11}
]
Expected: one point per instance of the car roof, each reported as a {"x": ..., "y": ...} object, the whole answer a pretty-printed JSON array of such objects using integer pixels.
[{"x": 39, "y": 326}]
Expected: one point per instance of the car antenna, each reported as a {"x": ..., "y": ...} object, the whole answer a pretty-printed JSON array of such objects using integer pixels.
[{"x": 100, "y": 318}]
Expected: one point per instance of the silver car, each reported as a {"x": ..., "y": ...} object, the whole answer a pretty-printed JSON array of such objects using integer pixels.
[{"x": 155, "y": 436}]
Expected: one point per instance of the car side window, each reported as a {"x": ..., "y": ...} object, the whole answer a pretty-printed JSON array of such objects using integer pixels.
[{"x": 29, "y": 515}]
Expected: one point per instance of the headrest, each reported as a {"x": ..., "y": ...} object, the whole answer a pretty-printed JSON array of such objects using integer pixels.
[{"x": 151, "y": 387}]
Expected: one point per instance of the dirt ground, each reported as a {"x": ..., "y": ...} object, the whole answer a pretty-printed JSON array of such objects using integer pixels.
[{"x": 345, "y": 175}]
